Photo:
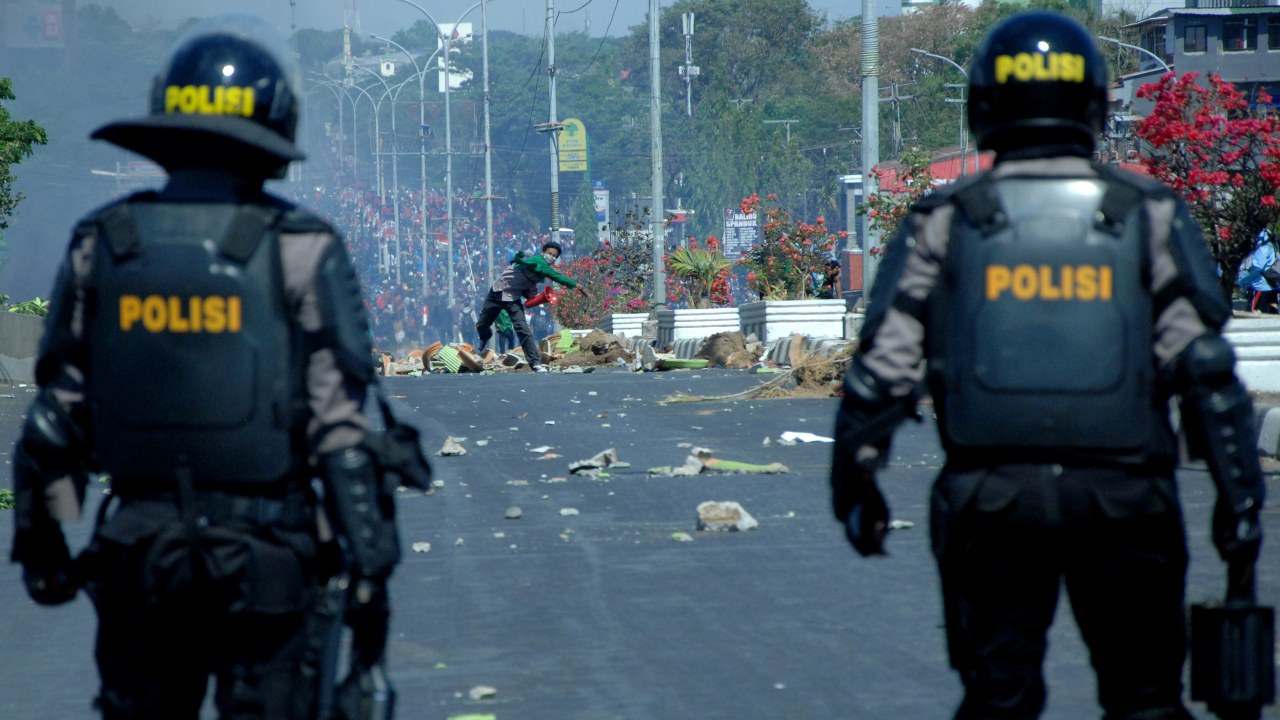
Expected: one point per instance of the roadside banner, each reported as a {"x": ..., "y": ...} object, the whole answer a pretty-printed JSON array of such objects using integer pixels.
[
  {"x": 572, "y": 143},
  {"x": 741, "y": 231}
]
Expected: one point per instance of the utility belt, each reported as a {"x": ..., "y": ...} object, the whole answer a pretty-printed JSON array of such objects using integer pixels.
[
  {"x": 291, "y": 509},
  {"x": 1147, "y": 462}
]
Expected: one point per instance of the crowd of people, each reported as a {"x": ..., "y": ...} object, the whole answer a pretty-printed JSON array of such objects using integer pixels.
[{"x": 406, "y": 283}]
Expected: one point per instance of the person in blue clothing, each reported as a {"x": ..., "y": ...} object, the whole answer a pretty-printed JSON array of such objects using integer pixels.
[
  {"x": 1262, "y": 294},
  {"x": 517, "y": 283}
]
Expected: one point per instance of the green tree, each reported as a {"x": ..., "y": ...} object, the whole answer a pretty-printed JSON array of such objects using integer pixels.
[{"x": 18, "y": 139}]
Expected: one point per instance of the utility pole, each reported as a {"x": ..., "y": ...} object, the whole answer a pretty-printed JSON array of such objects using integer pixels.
[
  {"x": 488, "y": 145},
  {"x": 870, "y": 135},
  {"x": 896, "y": 100},
  {"x": 553, "y": 126},
  {"x": 787, "y": 123},
  {"x": 688, "y": 71},
  {"x": 658, "y": 219}
]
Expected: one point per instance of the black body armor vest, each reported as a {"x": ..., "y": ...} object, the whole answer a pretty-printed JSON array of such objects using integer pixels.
[
  {"x": 194, "y": 361},
  {"x": 1046, "y": 322}
]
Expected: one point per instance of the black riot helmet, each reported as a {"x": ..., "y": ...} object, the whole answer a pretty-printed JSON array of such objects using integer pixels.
[
  {"x": 228, "y": 96},
  {"x": 1037, "y": 79}
]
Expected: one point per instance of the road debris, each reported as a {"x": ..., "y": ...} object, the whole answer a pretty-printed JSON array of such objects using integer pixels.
[
  {"x": 595, "y": 466},
  {"x": 452, "y": 447},
  {"x": 701, "y": 460},
  {"x": 791, "y": 437},
  {"x": 725, "y": 516}
]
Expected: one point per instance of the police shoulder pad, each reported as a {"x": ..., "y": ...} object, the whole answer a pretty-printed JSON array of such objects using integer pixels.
[
  {"x": 298, "y": 220},
  {"x": 1149, "y": 187},
  {"x": 947, "y": 194}
]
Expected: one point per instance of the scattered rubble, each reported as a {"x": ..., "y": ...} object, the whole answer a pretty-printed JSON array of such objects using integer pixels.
[
  {"x": 701, "y": 460},
  {"x": 595, "y": 349},
  {"x": 731, "y": 350},
  {"x": 725, "y": 516},
  {"x": 596, "y": 466},
  {"x": 451, "y": 447},
  {"x": 810, "y": 374}
]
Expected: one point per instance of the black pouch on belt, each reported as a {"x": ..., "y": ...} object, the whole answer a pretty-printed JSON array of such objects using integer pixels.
[{"x": 1233, "y": 651}]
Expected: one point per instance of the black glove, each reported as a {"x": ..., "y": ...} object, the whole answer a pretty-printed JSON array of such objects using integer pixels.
[
  {"x": 1237, "y": 534},
  {"x": 858, "y": 504},
  {"x": 47, "y": 569}
]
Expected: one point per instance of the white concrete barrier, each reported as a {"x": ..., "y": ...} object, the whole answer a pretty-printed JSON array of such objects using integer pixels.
[{"x": 1256, "y": 340}]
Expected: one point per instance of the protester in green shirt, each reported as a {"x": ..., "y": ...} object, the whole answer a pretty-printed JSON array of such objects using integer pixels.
[
  {"x": 509, "y": 291},
  {"x": 505, "y": 331}
]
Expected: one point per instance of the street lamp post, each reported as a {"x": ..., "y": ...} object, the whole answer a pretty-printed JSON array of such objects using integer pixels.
[
  {"x": 964, "y": 136},
  {"x": 422, "y": 145},
  {"x": 447, "y": 41},
  {"x": 1142, "y": 50},
  {"x": 395, "y": 164},
  {"x": 341, "y": 112},
  {"x": 339, "y": 87},
  {"x": 354, "y": 106}
]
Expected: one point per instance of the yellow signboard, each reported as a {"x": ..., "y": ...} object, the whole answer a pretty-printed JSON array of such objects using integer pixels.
[{"x": 572, "y": 142}]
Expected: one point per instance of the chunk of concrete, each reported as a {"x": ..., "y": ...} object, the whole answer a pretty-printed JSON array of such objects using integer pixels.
[{"x": 725, "y": 516}]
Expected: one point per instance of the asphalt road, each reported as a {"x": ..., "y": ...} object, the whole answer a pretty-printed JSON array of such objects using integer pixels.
[{"x": 601, "y": 613}]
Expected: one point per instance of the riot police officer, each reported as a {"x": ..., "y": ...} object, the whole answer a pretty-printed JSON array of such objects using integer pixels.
[
  {"x": 206, "y": 348},
  {"x": 1052, "y": 307}
]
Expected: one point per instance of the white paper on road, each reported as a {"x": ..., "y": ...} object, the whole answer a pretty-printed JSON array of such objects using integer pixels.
[{"x": 791, "y": 436}]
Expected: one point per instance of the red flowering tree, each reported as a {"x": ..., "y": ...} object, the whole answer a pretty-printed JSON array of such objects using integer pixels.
[
  {"x": 896, "y": 193},
  {"x": 616, "y": 277},
  {"x": 590, "y": 304},
  {"x": 1221, "y": 153},
  {"x": 778, "y": 266},
  {"x": 699, "y": 275}
]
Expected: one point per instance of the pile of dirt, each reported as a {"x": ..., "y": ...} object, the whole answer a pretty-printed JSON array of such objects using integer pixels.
[
  {"x": 596, "y": 348},
  {"x": 817, "y": 376},
  {"x": 728, "y": 350}
]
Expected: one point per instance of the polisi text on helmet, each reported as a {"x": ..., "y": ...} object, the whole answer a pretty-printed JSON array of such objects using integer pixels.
[
  {"x": 204, "y": 100},
  {"x": 194, "y": 314},
  {"x": 1043, "y": 282},
  {"x": 1028, "y": 67}
]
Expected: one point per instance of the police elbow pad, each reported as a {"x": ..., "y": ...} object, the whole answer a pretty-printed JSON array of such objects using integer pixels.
[
  {"x": 1217, "y": 417},
  {"x": 362, "y": 510},
  {"x": 49, "y": 448},
  {"x": 1208, "y": 362},
  {"x": 51, "y": 442},
  {"x": 345, "y": 324}
]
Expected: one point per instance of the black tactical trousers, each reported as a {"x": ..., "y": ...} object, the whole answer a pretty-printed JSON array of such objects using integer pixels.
[
  {"x": 1007, "y": 538},
  {"x": 494, "y": 304},
  {"x": 178, "y": 605}
]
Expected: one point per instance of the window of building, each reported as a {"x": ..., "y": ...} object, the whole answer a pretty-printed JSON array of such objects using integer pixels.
[
  {"x": 1194, "y": 42},
  {"x": 1273, "y": 33},
  {"x": 1240, "y": 34}
]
